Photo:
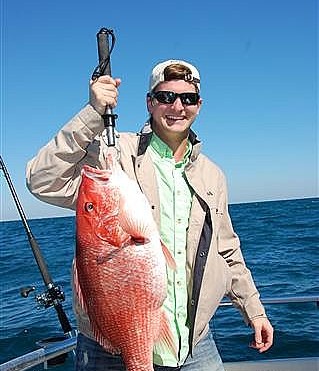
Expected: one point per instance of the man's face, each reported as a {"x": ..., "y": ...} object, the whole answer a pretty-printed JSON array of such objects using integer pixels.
[{"x": 173, "y": 119}]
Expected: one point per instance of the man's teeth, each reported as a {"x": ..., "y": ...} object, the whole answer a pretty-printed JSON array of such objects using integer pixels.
[{"x": 175, "y": 118}]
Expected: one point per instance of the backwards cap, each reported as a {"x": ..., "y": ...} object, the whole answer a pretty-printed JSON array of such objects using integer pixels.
[{"x": 157, "y": 75}]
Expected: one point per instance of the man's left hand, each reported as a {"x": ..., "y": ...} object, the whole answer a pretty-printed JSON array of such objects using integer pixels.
[{"x": 264, "y": 334}]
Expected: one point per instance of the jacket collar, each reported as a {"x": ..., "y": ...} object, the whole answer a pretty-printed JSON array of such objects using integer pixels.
[{"x": 146, "y": 135}]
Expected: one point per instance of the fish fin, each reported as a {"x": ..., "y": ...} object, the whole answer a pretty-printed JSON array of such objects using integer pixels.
[
  {"x": 165, "y": 338},
  {"x": 77, "y": 287},
  {"x": 103, "y": 341},
  {"x": 98, "y": 335},
  {"x": 134, "y": 222},
  {"x": 169, "y": 257}
]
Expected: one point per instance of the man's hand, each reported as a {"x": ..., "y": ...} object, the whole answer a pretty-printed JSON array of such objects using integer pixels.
[
  {"x": 264, "y": 334},
  {"x": 103, "y": 93}
]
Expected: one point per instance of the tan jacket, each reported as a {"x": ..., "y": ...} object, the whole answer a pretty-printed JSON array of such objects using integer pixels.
[{"x": 215, "y": 265}]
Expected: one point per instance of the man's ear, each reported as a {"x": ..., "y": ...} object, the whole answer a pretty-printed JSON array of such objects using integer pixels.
[{"x": 149, "y": 102}]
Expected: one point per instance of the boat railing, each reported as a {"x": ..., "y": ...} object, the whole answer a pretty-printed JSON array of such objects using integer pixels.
[
  {"x": 53, "y": 350},
  {"x": 42, "y": 355},
  {"x": 283, "y": 300}
]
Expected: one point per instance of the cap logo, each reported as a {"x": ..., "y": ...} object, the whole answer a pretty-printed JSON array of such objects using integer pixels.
[{"x": 189, "y": 78}]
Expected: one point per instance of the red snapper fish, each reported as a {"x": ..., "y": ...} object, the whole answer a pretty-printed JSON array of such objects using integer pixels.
[{"x": 120, "y": 266}]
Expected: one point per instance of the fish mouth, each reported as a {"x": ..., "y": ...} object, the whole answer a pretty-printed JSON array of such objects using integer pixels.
[{"x": 96, "y": 174}]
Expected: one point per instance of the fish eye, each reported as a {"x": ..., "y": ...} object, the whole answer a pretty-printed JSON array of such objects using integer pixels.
[{"x": 89, "y": 206}]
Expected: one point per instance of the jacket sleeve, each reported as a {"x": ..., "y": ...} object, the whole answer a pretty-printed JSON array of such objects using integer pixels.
[
  {"x": 53, "y": 175},
  {"x": 243, "y": 292}
]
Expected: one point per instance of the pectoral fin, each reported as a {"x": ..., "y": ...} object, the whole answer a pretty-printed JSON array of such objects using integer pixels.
[{"x": 169, "y": 257}]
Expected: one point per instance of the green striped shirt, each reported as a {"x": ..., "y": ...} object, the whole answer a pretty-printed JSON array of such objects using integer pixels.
[{"x": 175, "y": 200}]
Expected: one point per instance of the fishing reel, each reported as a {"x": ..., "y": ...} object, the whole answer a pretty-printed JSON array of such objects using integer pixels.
[{"x": 48, "y": 298}]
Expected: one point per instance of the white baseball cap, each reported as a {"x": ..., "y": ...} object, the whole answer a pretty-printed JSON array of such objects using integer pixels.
[{"x": 157, "y": 74}]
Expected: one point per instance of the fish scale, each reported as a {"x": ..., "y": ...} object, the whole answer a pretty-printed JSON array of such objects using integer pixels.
[{"x": 120, "y": 267}]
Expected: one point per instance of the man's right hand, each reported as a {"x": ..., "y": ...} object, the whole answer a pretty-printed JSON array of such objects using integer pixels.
[{"x": 103, "y": 93}]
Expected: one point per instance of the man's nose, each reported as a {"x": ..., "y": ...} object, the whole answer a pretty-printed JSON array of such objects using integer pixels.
[{"x": 178, "y": 103}]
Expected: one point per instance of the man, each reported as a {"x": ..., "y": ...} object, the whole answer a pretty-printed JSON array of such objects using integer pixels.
[{"x": 188, "y": 196}]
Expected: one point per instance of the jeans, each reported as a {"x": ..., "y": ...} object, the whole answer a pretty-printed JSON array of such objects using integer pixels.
[{"x": 90, "y": 356}]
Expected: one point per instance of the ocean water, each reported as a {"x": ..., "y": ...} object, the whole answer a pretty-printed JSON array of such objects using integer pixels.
[{"x": 280, "y": 242}]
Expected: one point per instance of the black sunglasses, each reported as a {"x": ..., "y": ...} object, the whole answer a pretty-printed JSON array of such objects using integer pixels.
[{"x": 169, "y": 97}]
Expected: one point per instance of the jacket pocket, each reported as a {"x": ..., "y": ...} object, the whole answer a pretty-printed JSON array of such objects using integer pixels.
[{"x": 226, "y": 272}]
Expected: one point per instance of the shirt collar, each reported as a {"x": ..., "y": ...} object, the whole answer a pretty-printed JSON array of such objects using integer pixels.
[{"x": 165, "y": 151}]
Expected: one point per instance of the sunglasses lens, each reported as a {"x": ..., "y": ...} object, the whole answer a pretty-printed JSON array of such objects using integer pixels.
[
  {"x": 189, "y": 98},
  {"x": 169, "y": 97}
]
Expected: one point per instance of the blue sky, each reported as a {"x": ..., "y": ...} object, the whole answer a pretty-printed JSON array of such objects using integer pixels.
[{"x": 258, "y": 65}]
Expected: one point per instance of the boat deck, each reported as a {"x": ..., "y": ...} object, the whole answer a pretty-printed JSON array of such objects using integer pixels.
[{"x": 286, "y": 364}]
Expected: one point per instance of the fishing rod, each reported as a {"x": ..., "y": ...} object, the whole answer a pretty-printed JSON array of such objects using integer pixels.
[
  {"x": 53, "y": 296},
  {"x": 104, "y": 68}
]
